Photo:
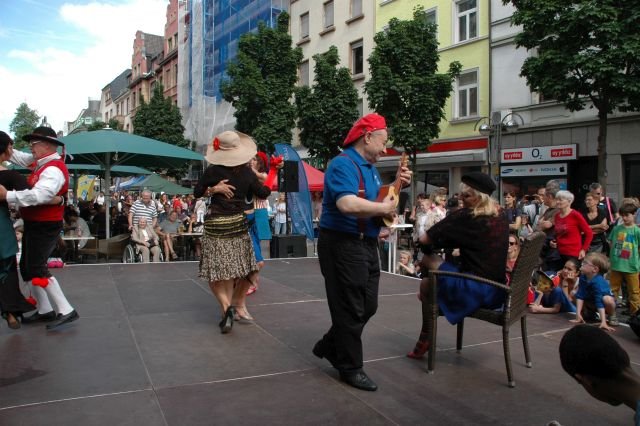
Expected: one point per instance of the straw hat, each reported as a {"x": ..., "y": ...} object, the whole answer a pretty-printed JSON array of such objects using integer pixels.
[{"x": 231, "y": 149}]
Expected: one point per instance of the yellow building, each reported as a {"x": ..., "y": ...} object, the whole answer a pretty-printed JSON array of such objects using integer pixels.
[{"x": 463, "y": 36}]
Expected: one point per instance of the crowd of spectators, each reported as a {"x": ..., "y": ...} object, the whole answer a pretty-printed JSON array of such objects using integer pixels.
[{"x": 590, "y": 258}]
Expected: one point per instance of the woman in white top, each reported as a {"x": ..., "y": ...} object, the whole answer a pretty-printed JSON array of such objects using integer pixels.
[{"x": 281, "y": 215}]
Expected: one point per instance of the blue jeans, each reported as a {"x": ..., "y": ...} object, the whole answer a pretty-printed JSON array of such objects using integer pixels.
[{"x": 280, "y": 228}]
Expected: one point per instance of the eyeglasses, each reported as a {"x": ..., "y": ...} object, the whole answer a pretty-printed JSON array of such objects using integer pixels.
[
  {"x": 587, "y": 263},
  {"x": 513, "y": 243}
]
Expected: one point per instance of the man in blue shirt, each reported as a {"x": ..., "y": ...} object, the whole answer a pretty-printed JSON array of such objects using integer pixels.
[{"x": 348, "y": 245}]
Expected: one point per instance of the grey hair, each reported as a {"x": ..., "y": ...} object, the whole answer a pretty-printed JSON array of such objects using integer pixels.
[
  {"x": 552, "y": 187},
  {"x": 145, "y": 191},
  {"x": 565, "y": 195},
  {"x": 594, "y": 186}
]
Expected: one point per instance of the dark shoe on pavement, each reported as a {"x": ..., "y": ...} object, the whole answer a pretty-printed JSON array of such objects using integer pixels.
[
  {"x": 359, "y": 380},
  {"x": 63, "y": 319},
  {"x": 227, "y": 321},
  {"x": 38, "y": 317}
]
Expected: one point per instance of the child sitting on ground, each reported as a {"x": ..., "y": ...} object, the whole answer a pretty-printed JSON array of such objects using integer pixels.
[
  {"x": 594, "y": 290},
  {"x": 404, "y": 266},
  {"x": 551, "y": 297}
]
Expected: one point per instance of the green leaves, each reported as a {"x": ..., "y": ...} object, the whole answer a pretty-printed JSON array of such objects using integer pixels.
[
  {"x": 160, "y": 119},
  {"x": 262, "y": 82},
  {"x": 23, "y": 123},
  {"x": 328, "y": 109},
  {"x": 405, "y": 87}
]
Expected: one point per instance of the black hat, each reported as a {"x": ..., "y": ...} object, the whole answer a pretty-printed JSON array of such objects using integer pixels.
[
  {"x": 479, "y": 181},
  {"x": 43, "y": 133}
]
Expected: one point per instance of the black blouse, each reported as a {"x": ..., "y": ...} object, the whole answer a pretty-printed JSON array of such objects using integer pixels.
[
  {"x": 483, "y": 242},
  {"x": 244, "y": 180}
]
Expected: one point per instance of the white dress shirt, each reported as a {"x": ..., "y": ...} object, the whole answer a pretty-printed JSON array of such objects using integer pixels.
[{"x": 47, "y": 187}]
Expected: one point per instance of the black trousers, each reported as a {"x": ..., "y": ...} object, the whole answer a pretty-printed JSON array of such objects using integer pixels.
[
  {"x": 351, "y": 270},
  {"x": 38, "y": 242}
]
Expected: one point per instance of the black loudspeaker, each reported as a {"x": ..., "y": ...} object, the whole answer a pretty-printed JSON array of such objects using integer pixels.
[
  {"x": 288, "y": 179},
  {"x": 288, "y": 246}
]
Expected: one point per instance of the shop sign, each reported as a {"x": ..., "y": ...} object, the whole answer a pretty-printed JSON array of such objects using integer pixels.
[
  {"x": 551, "y": 169},
  {"x": 539, "y": 153}
]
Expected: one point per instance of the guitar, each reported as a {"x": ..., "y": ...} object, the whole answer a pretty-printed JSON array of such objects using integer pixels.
[{"x": 392, "y": 191}]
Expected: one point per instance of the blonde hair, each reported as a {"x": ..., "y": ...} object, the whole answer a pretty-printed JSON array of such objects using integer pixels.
[
  {"x": 487, "y": 206},
  {"x": 598, "y": 260}
]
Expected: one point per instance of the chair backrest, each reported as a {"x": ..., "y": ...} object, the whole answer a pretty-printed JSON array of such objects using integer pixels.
[{"x": 526, "y": 263}]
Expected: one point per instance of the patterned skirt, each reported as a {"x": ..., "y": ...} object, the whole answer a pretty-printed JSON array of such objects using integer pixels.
[{"x": 227, "y": 250}]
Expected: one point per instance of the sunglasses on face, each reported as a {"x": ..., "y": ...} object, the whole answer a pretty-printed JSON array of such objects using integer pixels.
[{"x": 513, "y": 243}]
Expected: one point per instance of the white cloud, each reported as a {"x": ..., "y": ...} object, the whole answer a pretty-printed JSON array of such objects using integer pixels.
[{"x": 60, "y": 81}]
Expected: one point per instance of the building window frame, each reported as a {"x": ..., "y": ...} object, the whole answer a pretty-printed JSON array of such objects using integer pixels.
[
  {"x": 466, "y": 22},
  {"x": 356, "y": 58},
  {"x": 304, "y": 26},
  {"x": 467, "y": 99},
  {"x": 328, "y": 14},
  {"x": 355, "y": 8},
  {"x": 303, "y": 73}
]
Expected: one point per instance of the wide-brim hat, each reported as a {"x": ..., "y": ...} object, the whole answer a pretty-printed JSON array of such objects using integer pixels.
[
  {"x": 43, "y": 133},
  {"x": 231, "y": 149}
]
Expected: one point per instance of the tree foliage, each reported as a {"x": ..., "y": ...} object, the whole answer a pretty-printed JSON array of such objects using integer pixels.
[
  {"x": 262, "y": 83},
  {"x": 585, "y": 51},
  {"x": 100, "y": 125},
  {"x": 23, "y": 123},
  {"x": 327, "y": 111},
  {"x": 160, "y": 119},
  {"x": 405, "y": 86}
]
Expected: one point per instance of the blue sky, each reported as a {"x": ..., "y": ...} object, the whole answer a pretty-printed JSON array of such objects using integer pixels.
[{"x": 56, "y": 54}]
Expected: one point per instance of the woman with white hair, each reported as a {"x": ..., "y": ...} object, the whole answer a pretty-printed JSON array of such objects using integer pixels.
[
  {"x": 481, "y": 232},
  {"x": 573, "y": 233}
]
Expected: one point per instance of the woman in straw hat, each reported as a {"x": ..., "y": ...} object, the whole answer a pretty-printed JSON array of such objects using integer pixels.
[{"x": 227, "y": 251}]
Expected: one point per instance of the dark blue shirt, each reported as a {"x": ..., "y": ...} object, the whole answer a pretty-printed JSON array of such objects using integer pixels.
[
  {"x": 594, "y": 290},
  {"x": 342, "y": 178}
]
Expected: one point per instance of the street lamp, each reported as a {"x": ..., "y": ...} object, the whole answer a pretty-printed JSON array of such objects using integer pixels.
[{"x": 492, "y": 127}]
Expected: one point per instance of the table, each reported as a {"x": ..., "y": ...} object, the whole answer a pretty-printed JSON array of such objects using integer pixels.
[
  {"x": 76, "y": 240},
  {"x": 392, "y": 240}
]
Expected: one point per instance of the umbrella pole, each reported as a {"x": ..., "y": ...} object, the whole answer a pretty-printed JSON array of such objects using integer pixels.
[
  {"x": 75, "y": 187},
  {"x": 107, "y": 196}
]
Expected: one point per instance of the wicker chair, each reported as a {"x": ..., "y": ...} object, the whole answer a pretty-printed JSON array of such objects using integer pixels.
[{"x": 515, "y": 305}]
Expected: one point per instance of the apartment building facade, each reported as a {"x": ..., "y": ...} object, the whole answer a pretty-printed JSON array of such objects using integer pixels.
[
  {"x": 463, "y": 35},
  {"x": 553, "y": 142}
]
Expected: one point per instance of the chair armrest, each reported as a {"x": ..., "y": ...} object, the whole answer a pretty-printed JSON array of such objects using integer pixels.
[{"x": 473, "y": 277}]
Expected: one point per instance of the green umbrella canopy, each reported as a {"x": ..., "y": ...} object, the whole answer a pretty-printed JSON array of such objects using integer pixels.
[
  {"x": 111, "y": 147},
  {"x": 156, "y": 183}
]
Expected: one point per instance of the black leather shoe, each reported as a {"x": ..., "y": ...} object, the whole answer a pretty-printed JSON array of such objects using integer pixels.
[
  {"x": 38, "y": 317},
  {"x": 227, "y": 322},
  {"x": 63, "y": 319},
  {"x": 359, "y": 380}
]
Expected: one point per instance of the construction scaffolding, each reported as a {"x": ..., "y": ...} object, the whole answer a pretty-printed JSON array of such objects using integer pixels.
[{"x": 208, "y": 36}]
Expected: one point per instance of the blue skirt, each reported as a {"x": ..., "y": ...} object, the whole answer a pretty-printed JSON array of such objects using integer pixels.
[
  {"x": 460, "y": 297},
  {"x": 253, "y": 231}
]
